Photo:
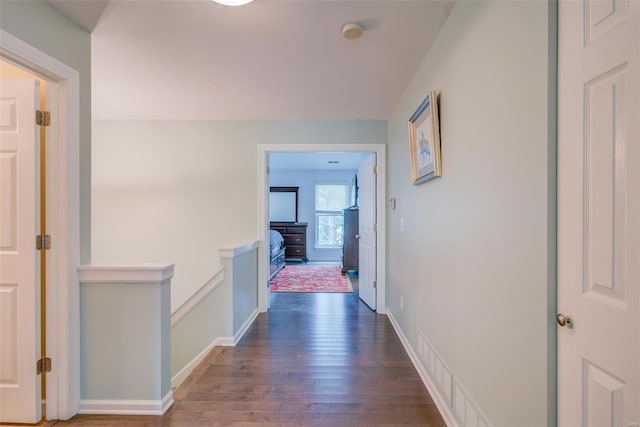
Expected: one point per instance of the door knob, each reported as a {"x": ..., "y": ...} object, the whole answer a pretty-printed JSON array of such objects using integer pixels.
[
  {"x": 564, "y": 320},
  {"x": 357, "y": 236}
]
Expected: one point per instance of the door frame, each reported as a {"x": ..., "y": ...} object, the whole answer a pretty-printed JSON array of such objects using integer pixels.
[
  {"x": 263, "y": 221},
  {"x": 63, "y": 219}
]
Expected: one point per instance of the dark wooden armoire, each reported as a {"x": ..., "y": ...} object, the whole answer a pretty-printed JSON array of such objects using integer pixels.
[{"x": 350, "y": 246}]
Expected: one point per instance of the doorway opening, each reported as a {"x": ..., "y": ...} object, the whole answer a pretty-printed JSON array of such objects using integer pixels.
[{"x": 321, "y": 182}]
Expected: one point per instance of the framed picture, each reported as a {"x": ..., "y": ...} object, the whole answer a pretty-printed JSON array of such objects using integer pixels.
[{"x": 424, "y": 139}]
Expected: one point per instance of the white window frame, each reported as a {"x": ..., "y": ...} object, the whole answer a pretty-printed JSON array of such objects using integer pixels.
[{"x": 322, "y": 212}]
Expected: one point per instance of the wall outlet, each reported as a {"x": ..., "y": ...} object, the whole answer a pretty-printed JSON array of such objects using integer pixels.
[{"x": 401, "y": 224}]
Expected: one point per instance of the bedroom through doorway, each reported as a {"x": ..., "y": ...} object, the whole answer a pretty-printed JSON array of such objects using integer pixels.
[
  {"x": 313, "y": 213},
  {"x": 372, "y": 285}
]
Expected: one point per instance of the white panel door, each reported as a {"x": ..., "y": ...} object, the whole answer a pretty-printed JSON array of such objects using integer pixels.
[
  {"x": 19, "y": 259},
  {"x": 367, "y": 224},
  {"x": 599, "y": 213}
]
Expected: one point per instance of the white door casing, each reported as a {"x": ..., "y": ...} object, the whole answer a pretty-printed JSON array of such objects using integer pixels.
[
  {"x": 19, "y": 260},
  {"x": 599, "y": 212},
  {"x": 367, "y": 231},
  {"x": 267, "y": 207},
  {"x": 63, "y": 219}
]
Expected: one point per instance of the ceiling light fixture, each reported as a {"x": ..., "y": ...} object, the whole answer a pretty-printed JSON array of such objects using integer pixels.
[{"x": 233, "y": 2}]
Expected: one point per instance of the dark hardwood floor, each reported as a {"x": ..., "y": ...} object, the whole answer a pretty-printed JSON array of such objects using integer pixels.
[{"x": 313, "y": 359}]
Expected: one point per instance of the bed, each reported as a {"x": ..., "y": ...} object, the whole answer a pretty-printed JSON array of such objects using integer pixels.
[{"x": 276, "y": 245}]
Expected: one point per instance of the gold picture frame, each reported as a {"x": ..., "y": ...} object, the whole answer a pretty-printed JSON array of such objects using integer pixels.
[{"x": 424, "y": 139}]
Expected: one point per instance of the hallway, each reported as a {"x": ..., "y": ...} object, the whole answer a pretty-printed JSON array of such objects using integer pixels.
[{"x": 313, "y": 359}]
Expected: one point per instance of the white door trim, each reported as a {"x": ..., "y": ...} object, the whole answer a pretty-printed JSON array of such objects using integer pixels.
[
  {"x": 263, "y": 225},
  {"x": 63, "y": 219}
]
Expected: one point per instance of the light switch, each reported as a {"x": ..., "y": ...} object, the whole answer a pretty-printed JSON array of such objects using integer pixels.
[{"x": 401, "y": 224}]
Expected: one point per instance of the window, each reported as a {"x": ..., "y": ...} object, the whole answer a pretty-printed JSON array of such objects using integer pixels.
[{"x": 331, "y": 199}]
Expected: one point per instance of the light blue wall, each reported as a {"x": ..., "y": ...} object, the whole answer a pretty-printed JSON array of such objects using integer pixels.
[
  {"x": 124, "y": 335},
  {"x": 176, "y": 191},
  {"x": 245, "y": 288},
  {"x": 473, "y": 269},
  {"x": 218, "y": 318},
  {"x": 206, "y": 322},
  {"x": 306, "y": 180},
  {"x": 40, "y": 25},
  {"x": 165, "y": 338}
]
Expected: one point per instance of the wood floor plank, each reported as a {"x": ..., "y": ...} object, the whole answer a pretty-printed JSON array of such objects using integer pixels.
[{"x": 313, "y": 359}]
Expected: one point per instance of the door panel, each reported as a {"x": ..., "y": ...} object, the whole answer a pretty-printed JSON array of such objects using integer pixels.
[
  {"x": 19, "y": 259},
  {"x": 605, "y": 183},
  {"x": 367, "y": 223},
  {"x": 599, "y": 212},
  {"x": 603, "y": 396}
]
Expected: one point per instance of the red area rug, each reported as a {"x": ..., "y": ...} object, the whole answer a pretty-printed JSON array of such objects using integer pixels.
[{"x": 310, "y": 278}]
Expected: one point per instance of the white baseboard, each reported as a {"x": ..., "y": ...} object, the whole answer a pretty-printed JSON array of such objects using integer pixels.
[
  {"x": 225, "y": 341},
  {"x": 440, "y": 400},
  {"x": 211, "y": 285},
  {"x": 186, "y": 371},
  {"x": 245, "y": 326},
  {"x": 126, "y": 407}
]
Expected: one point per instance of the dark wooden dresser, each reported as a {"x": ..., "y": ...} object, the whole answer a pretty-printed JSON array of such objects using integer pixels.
[
  {"x": 295, "y": 239},
  {"x": 350, "y": 244}
]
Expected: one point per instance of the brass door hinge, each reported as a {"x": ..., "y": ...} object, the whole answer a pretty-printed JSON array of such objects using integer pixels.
[
  {"x": 43, "y": 241},
  {"x": 43, "y": 118},
  {"x": 375, "y": 284},
  {"x": 375, "y": 169},
  {"x": 43, "y": 365}
]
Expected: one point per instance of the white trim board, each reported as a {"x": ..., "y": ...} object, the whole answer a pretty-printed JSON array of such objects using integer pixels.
[
  {"x": 115, "y": 273},
  {"x": 234, "y": 251},
  {"x": 440, "y": 400},
  {"x": 195, "y": 299},
  {"x": 245, "y": 327},
  {"x": 457, "y": 408},
  {"x": 63, "y": 219},
  {"x": 263, "y": 218},
  {"x": 213, "y": 282},
  {"x": 127, "y": 407},
  {"x": 184, "y": 373}
]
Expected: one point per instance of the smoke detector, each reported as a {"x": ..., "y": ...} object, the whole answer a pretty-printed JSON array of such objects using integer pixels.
[{"x": 352, "y": 30}]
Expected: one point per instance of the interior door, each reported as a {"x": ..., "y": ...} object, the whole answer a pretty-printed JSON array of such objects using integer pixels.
[
  {"x": 367, "y": 231},
  {"x": 599, "y": 213},
  {"x": 19, "y": 260}
]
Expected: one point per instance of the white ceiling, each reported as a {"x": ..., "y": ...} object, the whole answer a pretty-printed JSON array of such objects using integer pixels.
[
  {"x": 315, "y": 161},
  {"x": 270, "y": 59}
]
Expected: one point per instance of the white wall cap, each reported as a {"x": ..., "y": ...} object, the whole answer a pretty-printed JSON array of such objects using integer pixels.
[
  {"x": 125, "y": 273},
  {"x": 234, "y": 251}
]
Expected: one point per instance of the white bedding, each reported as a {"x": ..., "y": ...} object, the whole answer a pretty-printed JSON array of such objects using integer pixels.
[{"x": 276, "y": 241}]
